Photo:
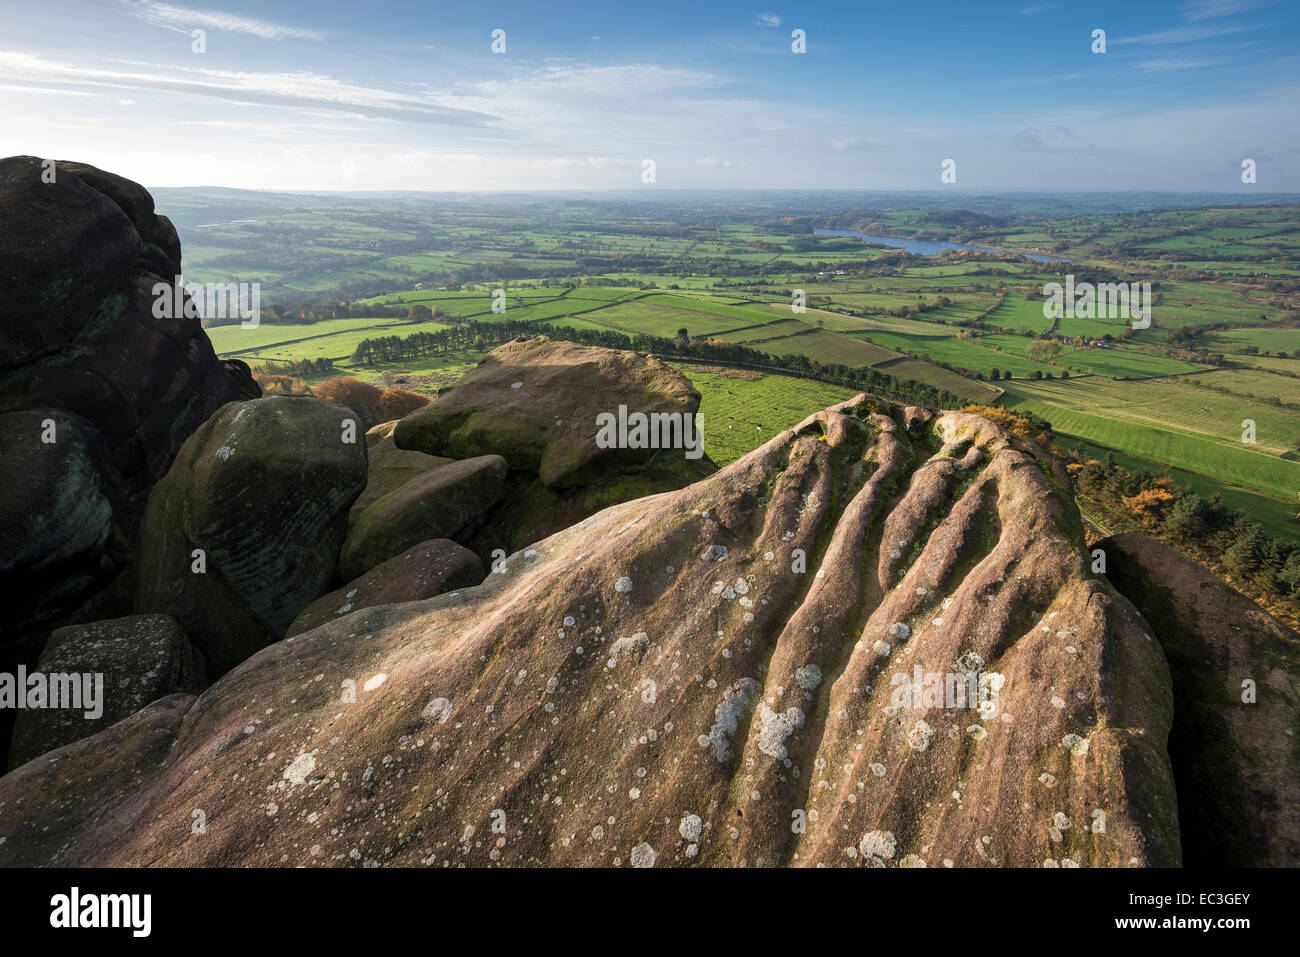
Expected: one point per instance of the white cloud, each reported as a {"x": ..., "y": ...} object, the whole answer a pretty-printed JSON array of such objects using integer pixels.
[
  {"x": 1153, "y": 66},
  {"x": 184, "y": 19},
  {"x": 768, "y": 20},
  {"x": 302, "y": 89},
  {"x": 1184, "y": 35},
  {"x": 1208, "y": 9}
]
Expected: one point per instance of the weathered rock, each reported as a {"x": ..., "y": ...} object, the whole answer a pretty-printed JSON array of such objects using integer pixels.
[
  {"x": 1236, "y": 681},
  {"x": 141, "y": 658},
  {"x": 422, "y": 571},
  {"x": 701, "y": 676},
  {"x": 529, "y": 511},
  {"x": 439, "y": 503},
  {"x": 535, "y": 402},
  {"x": 263, "y": 489},
  {"x": 79, "y": 260},
  {"x": 58, "y": 538},
  {"x": 240, "y": 371},
  {"x": 105, "y": 798},
  {"x": 389, "y": 468}
]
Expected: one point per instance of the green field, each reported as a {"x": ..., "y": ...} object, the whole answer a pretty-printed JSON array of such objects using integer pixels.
[
  {"x": 1162, "y": 397},
  {"x": 1176, "y": 424},
  {"x": 740, "y": 410}
]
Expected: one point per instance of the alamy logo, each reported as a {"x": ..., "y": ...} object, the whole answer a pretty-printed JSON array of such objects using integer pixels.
[
  {"x": 214, "y": 300},
  {"x": 657, "y": 430},
  {"x": 134, "y": 911},
  {"x": 38, "y": 691},
  {"x": 1105, "y": 300},
  {"x": 923, "y": 690}
]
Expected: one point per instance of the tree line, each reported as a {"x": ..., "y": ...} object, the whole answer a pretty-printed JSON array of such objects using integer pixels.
[{"x": 487, "y": 335}]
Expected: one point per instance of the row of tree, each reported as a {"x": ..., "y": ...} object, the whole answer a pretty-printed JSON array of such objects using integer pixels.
[
  {"x": 1206, "y": 527},
  {"x": 487, "y": 335}
]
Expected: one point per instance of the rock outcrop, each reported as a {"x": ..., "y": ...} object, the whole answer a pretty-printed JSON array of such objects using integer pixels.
[
  {"x": 1236, "y": 683},
  {"x": 874, "y": 641},
  {"x": 388, "y": 467},
  {"x": 245, "y": 529},
  {"x": 122, "y": 664},
  {"x": 422, "y": 571},
  {"x": 535, "y": 402},
  {"x": 444, "y": 502},
  {"x": 81, "y": 347}
]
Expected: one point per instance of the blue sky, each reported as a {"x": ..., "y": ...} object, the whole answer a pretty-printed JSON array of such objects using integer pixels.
[{"x": 404, "y": 95}]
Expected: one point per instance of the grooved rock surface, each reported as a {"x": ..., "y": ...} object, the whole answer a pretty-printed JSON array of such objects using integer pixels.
[
  {"x": 141, "y": 657},
  {"x": 1234, "y": 746},
  {"x": 422, "y": 571},
  {"x": 711, "y": 675},
  {"x": 79, "y": 341},
  {"x": 535, "y": 402},
  {"x": 263, "y": 489}
]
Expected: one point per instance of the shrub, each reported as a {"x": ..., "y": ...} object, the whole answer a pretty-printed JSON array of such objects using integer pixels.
[
  {"x": 398, "y": 403},
  {"x": 361, "y": 397}
]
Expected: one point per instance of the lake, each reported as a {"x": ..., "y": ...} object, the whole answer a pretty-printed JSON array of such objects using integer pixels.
[{"x": 926, "y": 247}]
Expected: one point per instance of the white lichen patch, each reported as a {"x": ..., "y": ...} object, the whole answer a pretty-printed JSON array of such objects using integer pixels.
[
  {"x": 439, "y": 708},
  {"x": 298, "y": 769},
  {"x": 809, "y": 676},
  {"x": 877, "y": 846},
  {"x": 624, "y": 648},
  {"x": 918, "y": 739},
  {"x": 1076, "y": 745},
  {"x": 643, "y": 855},
  {"x": 773, "y": 729},
  {"x": 691, "y": 827},
  {"x": 736, "y": 701}
]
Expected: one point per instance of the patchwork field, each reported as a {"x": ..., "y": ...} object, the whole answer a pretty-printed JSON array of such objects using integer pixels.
[{"x": 1166, "y": 395}]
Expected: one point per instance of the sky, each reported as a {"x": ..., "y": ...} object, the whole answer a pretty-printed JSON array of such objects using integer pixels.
[{"x": 384, "y": 95}]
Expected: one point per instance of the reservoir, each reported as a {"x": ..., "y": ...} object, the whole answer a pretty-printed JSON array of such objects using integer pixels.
[{"x": 926, "y": 247}]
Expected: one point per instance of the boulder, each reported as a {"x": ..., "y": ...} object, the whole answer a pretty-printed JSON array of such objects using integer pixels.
[
  {"x": 422, "y": 571},
  {"x": 81, "y": 252},
  {"x": 445, "y": 502},
  {"x": 1236, "y": 683},
  {"x": 675, "y": 680},
  {"x": 134, "y": 660},
  {"x": 262, "y": 489},
  {"x": 535, "y": 402},
  {"x": 58, "y": 535},
  {"x": 389, "y": 468}
]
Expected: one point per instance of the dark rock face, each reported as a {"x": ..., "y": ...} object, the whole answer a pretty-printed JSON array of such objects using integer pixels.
[
  {"x": 1236, "y": 683},
  {"x": 263, "y": 490},
  {"x": 79, "y": 259},
  {"x": 58, "y": 537},
  {"x": 142, "y": 658},
  {"x": 422, "y": 571},
  {"x": 677, "y": 679}
]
